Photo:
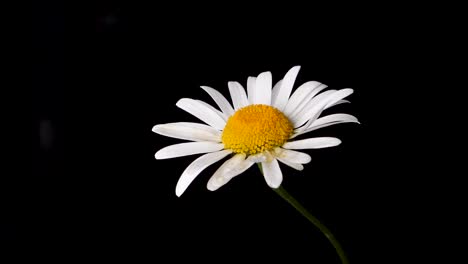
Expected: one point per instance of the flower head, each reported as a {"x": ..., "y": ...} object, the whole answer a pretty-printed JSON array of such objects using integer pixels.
[{"x": 258, "y": 129}]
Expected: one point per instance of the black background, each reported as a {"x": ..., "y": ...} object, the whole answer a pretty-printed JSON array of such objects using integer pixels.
[{"x": 103, "y": 76}]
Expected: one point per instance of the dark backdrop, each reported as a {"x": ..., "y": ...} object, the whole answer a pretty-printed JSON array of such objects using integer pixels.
[{"x": 104, "y": 75}]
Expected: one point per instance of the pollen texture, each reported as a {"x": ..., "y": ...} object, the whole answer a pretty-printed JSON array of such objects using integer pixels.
[{"x": 256, "y": 128}]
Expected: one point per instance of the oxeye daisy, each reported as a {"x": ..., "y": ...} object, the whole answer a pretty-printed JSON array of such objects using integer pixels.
[{"x": 259, "y": 127}]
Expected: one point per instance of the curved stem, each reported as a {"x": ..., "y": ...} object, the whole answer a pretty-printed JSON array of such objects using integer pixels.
[
  {"x": 292, "y": 201},
  {"x": 298, "y": 206}
]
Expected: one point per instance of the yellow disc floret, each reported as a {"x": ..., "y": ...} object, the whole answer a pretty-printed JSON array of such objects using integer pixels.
[{"x": 256, "y": 128}]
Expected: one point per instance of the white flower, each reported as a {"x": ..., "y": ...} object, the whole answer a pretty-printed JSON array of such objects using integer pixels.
[{"x": 259, "y": 128}]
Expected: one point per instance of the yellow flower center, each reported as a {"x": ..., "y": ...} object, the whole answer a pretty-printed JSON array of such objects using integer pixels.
[{"x": 256, "y": 128}]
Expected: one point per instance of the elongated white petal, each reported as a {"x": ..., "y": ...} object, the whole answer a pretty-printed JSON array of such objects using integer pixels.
[
  {"x": 220, "y": 100},
  {"x": 185, "y": 149},
  {"x": 251, "y": 82},
  {"x": 334, "y": 118},
  {"x": 260, "y": 157},
  {"x": 293, "y": 165},
  {"x": 231, "y": 168},
  {"x": 333, "y": 99},
  {"x": 286, "y": 88},
  {"x": 202, "y": 112},
  {"x": 221, "y": 114},
  {"x": 312, "y": 143},
  {"x": 238, "y": 95},
  {"x": 272, "y": 173},
  {"x": 188, "y": 131},
  {"x": 274, "y": 92},
  {"x": 339, "y": 102},
  {"x": 304, "y": 112},
  {"x": 197, "y": 166},
  {"x": 311, "y": 113},
  {"x": 302, "y": 96},
  {"x": 310, "y": 100},
  {"x": 316, "y": 106},
  {"x": 263, "y": 89},
  {"x": 292, "y": 156},
  {"x": 328, "y": 120},
  {"x": 322, "y": 96}
]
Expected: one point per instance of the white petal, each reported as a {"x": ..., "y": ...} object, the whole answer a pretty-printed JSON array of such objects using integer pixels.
[
  {"x": 286, "y": 88},
  {"x": 274, "y": 92},
  {"x": 319, "y": 98},
  {"x": 202, "y": 112},
  {"x": 308, "y": 101},
  {"x": 313, "y": 143},
  {"x": 188, "y": 131},
  {"x": 197, "y": 166},
  {"x": 185, "y": 149},
  {"x": 328, "y": 121},
  {"x": 305, "y": 112},
  {"x": 221, "y": 114},
  {"x": 293, "y": 165},
  {"x": 251, "y": 89},
  {"x": 238, "y": 95},
  {"x": 302, "y": 96},
  {"x": 334, "y": 118},
  {"x": 263, "y": 89},
  {"x": 316, "y": 107},
  {"x": 292, "y": 156},
  {"x": 231, "y": 168},
  {"x": 333, "y": 99},
  {"x": 220, "y": 100},
  {"x": 272, "y": 173},
  {"x": 339, "y": 102},
  {"x": 260, "y": 157}
]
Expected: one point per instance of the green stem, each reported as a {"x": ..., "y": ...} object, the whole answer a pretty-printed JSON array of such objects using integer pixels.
[{"x": 298, "y": 206}]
